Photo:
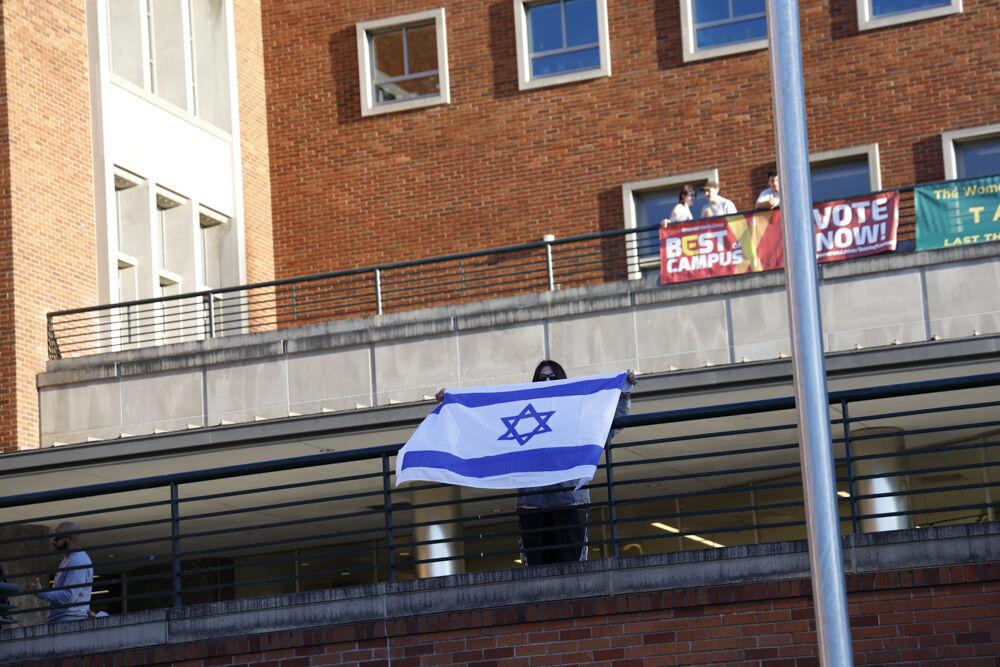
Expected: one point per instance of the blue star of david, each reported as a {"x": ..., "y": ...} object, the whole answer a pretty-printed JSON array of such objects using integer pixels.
[{"x": 529, "y": 412}]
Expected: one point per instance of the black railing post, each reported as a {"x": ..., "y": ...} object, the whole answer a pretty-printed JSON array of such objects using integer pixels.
[
  {"x": 845, "y": 418},
  {"x": 210, "y": 310},
  {"x": 295, "y": 313},
  {"x": 53, "y": 343},
  {"x": 612, "y": 514},
  {"x": 175, "y": 546},
  {"x": 387, "y": 505}
]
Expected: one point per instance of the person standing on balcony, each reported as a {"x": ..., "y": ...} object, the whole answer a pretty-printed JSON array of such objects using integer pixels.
[
  {"x": 554, "y": 519},
  {"x": 682, "y": 210},
  {"x": 769, "y": 197},
  {"x": 69, "y": 597},
  {"x": 717, "y": 204}
]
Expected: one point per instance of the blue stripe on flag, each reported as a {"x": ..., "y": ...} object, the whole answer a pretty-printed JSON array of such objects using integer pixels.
[
  {"x": 532, "y": 460},
  {"x": 543, "y": 390}
]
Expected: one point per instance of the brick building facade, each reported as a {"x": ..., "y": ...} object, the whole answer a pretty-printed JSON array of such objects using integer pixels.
[
  {"x": 496, "y": 165},
  {"x": 923, "y": 616},
  {"x": 500, "y": 165},
  {"x": 47, "y": 206},
  {"x": 320, "y": 177},
  {"x": 53, "y": 222}
]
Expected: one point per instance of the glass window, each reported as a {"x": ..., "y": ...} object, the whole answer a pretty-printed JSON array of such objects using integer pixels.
[
  {"x": 654, "y": 206},
  {"x": 977, "y": 158},
  {"x": 210, "y": 61},
  {"x": 174, "y": 221},
  {"x": 563, "y": 36},
  {"x": 561, "y": 41},
  {"x": 405, "y": 63},
  {"x": 124, "y": 21},
  {"x": 152, "y": 42},
  {"x": 839, "y": 179},
  {"x": 888, "y": 7},
  {"x": 882, "y": 13},
  {"x": 722, "y": 22},
  {"x": 218, "y": 245},
  {"x": 166, "y": 53},
  {"x": 132, "y": 212}
]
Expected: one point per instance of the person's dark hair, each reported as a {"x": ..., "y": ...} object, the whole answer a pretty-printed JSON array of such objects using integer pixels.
[
  {"x": 559, "y": 370},
  {"x": 771, "y": 174},
  {"x": 685, "y": 191}
]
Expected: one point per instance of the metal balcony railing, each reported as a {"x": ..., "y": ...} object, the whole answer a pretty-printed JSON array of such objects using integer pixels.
[
  {"x": 549, "y": 264},
  {"x": 907, "y": 455}
]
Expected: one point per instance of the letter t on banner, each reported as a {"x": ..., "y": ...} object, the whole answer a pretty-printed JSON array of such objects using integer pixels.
[{"x": 833, "y": 630}]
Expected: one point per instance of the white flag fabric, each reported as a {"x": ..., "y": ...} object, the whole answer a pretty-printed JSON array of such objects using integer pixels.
[{"x": 514, "y": 436}]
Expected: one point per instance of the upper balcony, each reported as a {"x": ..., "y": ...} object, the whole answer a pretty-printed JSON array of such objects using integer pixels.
[{"x": 394, "y": 333}]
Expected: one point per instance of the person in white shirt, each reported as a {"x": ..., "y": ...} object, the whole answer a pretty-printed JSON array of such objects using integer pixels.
[
  {"x": 69, "y": 597},
  {"x": 682, "y": 211},
  {"x": 717, "y": 204},
  {"x": 769, "y": 197}
]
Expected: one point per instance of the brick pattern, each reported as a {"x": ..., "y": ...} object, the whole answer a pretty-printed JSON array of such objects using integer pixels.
[
  {"x": 499, "y": 166},
  {"x": 253, "y": 141},
  {"x": 933, "y": 616},
  {"x": 49, "y": 218},
  {"x": 48, "y": 239},
  {"x": 8, "y": 363}
]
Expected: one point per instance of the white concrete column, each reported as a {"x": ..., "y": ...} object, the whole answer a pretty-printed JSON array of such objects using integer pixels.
[
  {"x": 440, "y": 524},
  {"x": 890, "y": 442}
]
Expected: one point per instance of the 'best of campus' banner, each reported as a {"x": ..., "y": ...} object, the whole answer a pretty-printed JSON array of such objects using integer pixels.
[
  {"x": 958, "y": 213},
  {"x": 751, "y": 242}
]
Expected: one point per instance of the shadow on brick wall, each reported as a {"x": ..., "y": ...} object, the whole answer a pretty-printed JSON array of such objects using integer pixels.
[
  {"x": 503, "y": 51},
  {"x": 344, "y": 73}
]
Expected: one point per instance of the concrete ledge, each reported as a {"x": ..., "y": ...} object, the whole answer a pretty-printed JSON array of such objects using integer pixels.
[
  {"x": 924, "y": 548},
  {"x": 471, "y": 316}
]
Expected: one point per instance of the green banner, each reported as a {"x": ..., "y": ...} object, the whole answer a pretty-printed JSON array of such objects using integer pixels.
[{"x": 958, "y": 213}]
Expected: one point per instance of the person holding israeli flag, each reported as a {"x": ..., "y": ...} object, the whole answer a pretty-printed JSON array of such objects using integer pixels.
[{"x": 545, "y": 441}]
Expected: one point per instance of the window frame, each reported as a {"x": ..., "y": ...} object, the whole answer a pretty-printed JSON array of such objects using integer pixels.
[
  {"x": 189, "y": 112},
  {"x": 689, "y": 41},
  {"x": 845, "y": 154},
  {"x": 526, "y": 81},
  {"x": 369, "y": 107},
  {"x": 867, "y": 20},
  {"x": 629, "y": 191},
  {"x": 952, "y": 137}
]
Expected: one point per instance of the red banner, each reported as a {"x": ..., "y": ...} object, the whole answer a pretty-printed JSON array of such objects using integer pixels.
[
  {"x": 850, "y": 228},
  {"x": 751, "y": 242}
]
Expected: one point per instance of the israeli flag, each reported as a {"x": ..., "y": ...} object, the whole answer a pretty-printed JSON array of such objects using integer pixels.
[{"x": 514, "y": 436}]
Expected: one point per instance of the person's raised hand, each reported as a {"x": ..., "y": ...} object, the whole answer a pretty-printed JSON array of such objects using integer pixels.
[
  {"x": 439, "y": 397},
  {"x": 630, "y": 376}
]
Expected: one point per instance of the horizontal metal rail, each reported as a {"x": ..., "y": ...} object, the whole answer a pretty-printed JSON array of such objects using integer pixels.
[
  {"x": 696, "y": 478},
  {"x": 374, "y": 290}
]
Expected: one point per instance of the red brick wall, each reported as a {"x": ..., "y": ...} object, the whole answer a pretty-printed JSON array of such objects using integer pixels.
[
  {"x": 48, "y": 244},
  {"x": 934, "y": 616},
  {"x": 8, "y": 365},
  {"x": 500, "y": 166},
  {"x": 253, "y": 141}
]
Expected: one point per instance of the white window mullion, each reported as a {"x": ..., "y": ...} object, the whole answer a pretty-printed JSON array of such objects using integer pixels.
[
  {"x": 146, "y": 40},
  {"x": 527, "y": 79},
  {"x": 367, "y": 31},
  {"x": 191, "y": 94}
]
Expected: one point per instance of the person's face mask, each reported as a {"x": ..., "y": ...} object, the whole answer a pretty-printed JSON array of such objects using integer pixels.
[{"x": 60, "y": 543}]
